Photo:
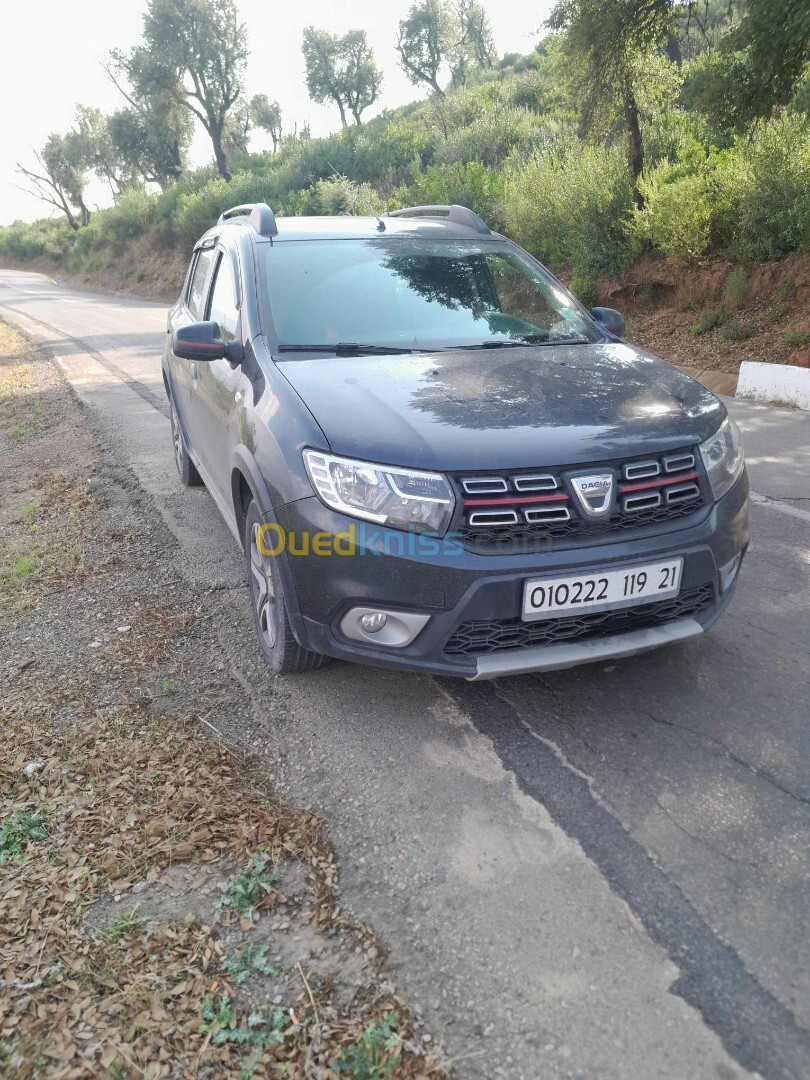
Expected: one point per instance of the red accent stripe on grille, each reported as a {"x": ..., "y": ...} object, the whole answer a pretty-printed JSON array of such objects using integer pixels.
[
  {"x": 515, "y": 500},
  {"x": 659, "y": 483}
]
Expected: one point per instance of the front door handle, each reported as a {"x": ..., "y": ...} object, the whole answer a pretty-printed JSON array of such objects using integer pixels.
[
  {"x": 237, "y": 397},
  {"x": 193, "y": 371}
]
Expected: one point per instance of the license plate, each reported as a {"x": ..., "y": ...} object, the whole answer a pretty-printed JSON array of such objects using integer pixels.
[{"x": 546, "y": 598}]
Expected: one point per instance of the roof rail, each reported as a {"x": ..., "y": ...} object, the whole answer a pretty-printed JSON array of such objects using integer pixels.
[
  {"x": 259, "y": 215},
  {"x": 459, "y": 215}
]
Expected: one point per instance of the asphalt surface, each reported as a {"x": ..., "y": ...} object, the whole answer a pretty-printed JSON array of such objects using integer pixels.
[{"x": 596, "y": 873}]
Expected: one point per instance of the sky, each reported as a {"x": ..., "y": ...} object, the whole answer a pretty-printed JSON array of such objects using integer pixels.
[{"x": 56, "y": 65}]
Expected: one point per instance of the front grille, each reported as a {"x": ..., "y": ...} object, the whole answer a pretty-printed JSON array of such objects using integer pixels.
[
  {"x": 528, "y": 508},
  {"x": 476, "y": 638}
]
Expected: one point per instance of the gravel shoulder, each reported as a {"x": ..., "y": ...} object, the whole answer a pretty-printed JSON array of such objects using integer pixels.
[{"x": 165, "y": 914}]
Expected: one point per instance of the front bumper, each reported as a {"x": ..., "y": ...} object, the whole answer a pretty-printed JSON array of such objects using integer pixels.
[{"x": 458, "y": 587}]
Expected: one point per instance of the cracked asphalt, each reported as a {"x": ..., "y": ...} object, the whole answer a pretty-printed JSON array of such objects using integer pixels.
[{"x": 596, "y": 873}]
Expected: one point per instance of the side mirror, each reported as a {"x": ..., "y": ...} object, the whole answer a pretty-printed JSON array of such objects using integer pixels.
[
  {"x": 610, "y": 319},
  {"x": 199, "y": 341}
]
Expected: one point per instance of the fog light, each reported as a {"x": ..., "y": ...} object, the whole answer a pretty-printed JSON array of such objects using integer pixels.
[
  {"x": 391, "y": 629},
  {"x": 374, "y": 621}
]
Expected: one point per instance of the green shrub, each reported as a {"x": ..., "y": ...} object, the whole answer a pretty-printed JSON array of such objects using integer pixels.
[
  {"x": 676, "y": 218},
  {"x": 794, "y": 336},
  {"x": 340, "y": 195},
  {"x": 764, "y": 188},
  {"x": 737, "y": 329},
  {"x": 198, "y": 211},
  {"x": 130, "y": 217},
  {"x": 710, "y": 319},
  {"x": 584, "y": 289},
  {"x": 570, "y": 207},
  {"x": 735, "y": 293},
  {"x": 470, "y": 185},
  {"x": 491, "y": 136},
  {"x": 23, "y": 240}
]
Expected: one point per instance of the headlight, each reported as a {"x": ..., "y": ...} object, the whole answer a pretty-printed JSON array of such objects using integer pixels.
[
  {"x": 399, "y": 498},
  {"x": 723, "y": 457}
]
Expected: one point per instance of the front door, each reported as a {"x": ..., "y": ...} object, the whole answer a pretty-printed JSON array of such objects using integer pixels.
[
  {"x": 186, "y": 373},
  {"x": 222, "y": 387}
]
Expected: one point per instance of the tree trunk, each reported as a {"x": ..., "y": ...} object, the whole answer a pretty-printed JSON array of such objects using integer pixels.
[
  {"x": 71, "y": 219},
  {"x": 674, "y": 49},
  {"x": 437, "y": 90},
  {"x": 215, "y": 131},
  {"x": 337, "y": 100},
  {"x": 635, "y": 149}
]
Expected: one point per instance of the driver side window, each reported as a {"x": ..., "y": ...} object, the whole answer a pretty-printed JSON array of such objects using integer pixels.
[
  {"x": 222, "y": 306},
  {"x": 197, "y": 283}
]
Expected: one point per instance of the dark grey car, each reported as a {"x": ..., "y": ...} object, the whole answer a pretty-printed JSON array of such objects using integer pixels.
[{"x": 435, "y": 458}]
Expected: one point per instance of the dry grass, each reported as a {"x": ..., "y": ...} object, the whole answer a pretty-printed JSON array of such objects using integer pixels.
[
  {"x": 105, "y": 804},
  {"x": 43, "y": 548},
  {"x": 125, "y": 799}
]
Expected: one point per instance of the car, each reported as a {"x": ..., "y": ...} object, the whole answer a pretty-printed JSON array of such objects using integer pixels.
[{"x": 434, "y": 458}]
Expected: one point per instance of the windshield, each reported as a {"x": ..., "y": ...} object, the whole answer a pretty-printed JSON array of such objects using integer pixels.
[{"x": 414, "y": 294}]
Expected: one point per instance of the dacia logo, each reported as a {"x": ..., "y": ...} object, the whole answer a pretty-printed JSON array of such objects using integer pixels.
[{"x": 594, "y": 493}]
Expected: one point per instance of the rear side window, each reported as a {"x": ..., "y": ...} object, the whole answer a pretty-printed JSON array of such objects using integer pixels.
[
  {"x": 197, "y": 286},
  {"x": 222, "y": 308}
]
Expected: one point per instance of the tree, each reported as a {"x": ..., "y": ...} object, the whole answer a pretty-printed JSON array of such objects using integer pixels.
[
  {"x": 362, "y": 78},
  {"x": 341, "y": 69},
  {"x": 152, "y": 135},
  {"x": 757, "y": 64},
  {"x": 474, "y": 45},
  {"x": 97, "y": 150},
  {"x": 266, "y": 115},
  {"x": 422, "y": 43},
  {"x": 606, "y": 42},
  {"x": 60, "y": 177},
  {"x": 195, "y": 51},
  {"x": 236, "y": 132},
  {"x": 439, "y": 34}
]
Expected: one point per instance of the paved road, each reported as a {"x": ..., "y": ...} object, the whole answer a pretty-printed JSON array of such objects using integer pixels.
[{"x": 600, "y": 873}]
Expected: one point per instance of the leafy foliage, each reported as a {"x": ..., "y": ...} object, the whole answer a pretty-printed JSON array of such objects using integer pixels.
[
  {"x": 437, "y": 35},
  {"x": 266, "y": 115},
  {"x": 676, "y": 216},
  {"x": 375, "y": 1055},
  {"x": 341, "y": 68},
  {"x": 252, "y": 958},
  {"x": 570, "y": 207},
  {"x": 245, "y": 892},
  {"x": 195, "y": 51},
  {"x": 18, "y": 830}
]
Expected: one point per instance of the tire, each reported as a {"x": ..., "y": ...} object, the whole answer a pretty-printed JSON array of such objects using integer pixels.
[
  {"x": 186, "y": 468},
  {"x": 280, "y": 650}
]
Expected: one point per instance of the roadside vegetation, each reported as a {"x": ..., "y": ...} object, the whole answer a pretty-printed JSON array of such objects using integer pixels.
[
  {"x": 164, "y": 914},
  {"x": 632, "y": 130}
]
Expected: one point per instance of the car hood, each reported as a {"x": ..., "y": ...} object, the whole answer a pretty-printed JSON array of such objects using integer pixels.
[{"x": 509, "y": 408}]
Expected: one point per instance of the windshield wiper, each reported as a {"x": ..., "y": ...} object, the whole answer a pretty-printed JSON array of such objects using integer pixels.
[
  {"x": 529, "y": 340},
  {"x": 495, "y": 343},
  {"x": 347, "y": 348}
]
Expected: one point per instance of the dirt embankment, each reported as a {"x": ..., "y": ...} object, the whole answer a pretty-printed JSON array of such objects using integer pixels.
[
  {"x": 712, "y": 316},
  {"x": 142, "y": 270},
  {"x": 164, "y": 914}
]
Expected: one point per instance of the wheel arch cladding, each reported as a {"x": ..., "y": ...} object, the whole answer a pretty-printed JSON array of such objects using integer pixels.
[{"x": 247, "y": 484}]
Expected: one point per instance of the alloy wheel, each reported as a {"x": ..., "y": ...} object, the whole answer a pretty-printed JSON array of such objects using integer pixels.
[
  {"x": 262, "y": 590},
  {"x": 177, "y": 439}
]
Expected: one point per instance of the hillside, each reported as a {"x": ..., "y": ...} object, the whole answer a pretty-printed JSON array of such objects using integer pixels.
[{"x": 708, "y": 256}]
